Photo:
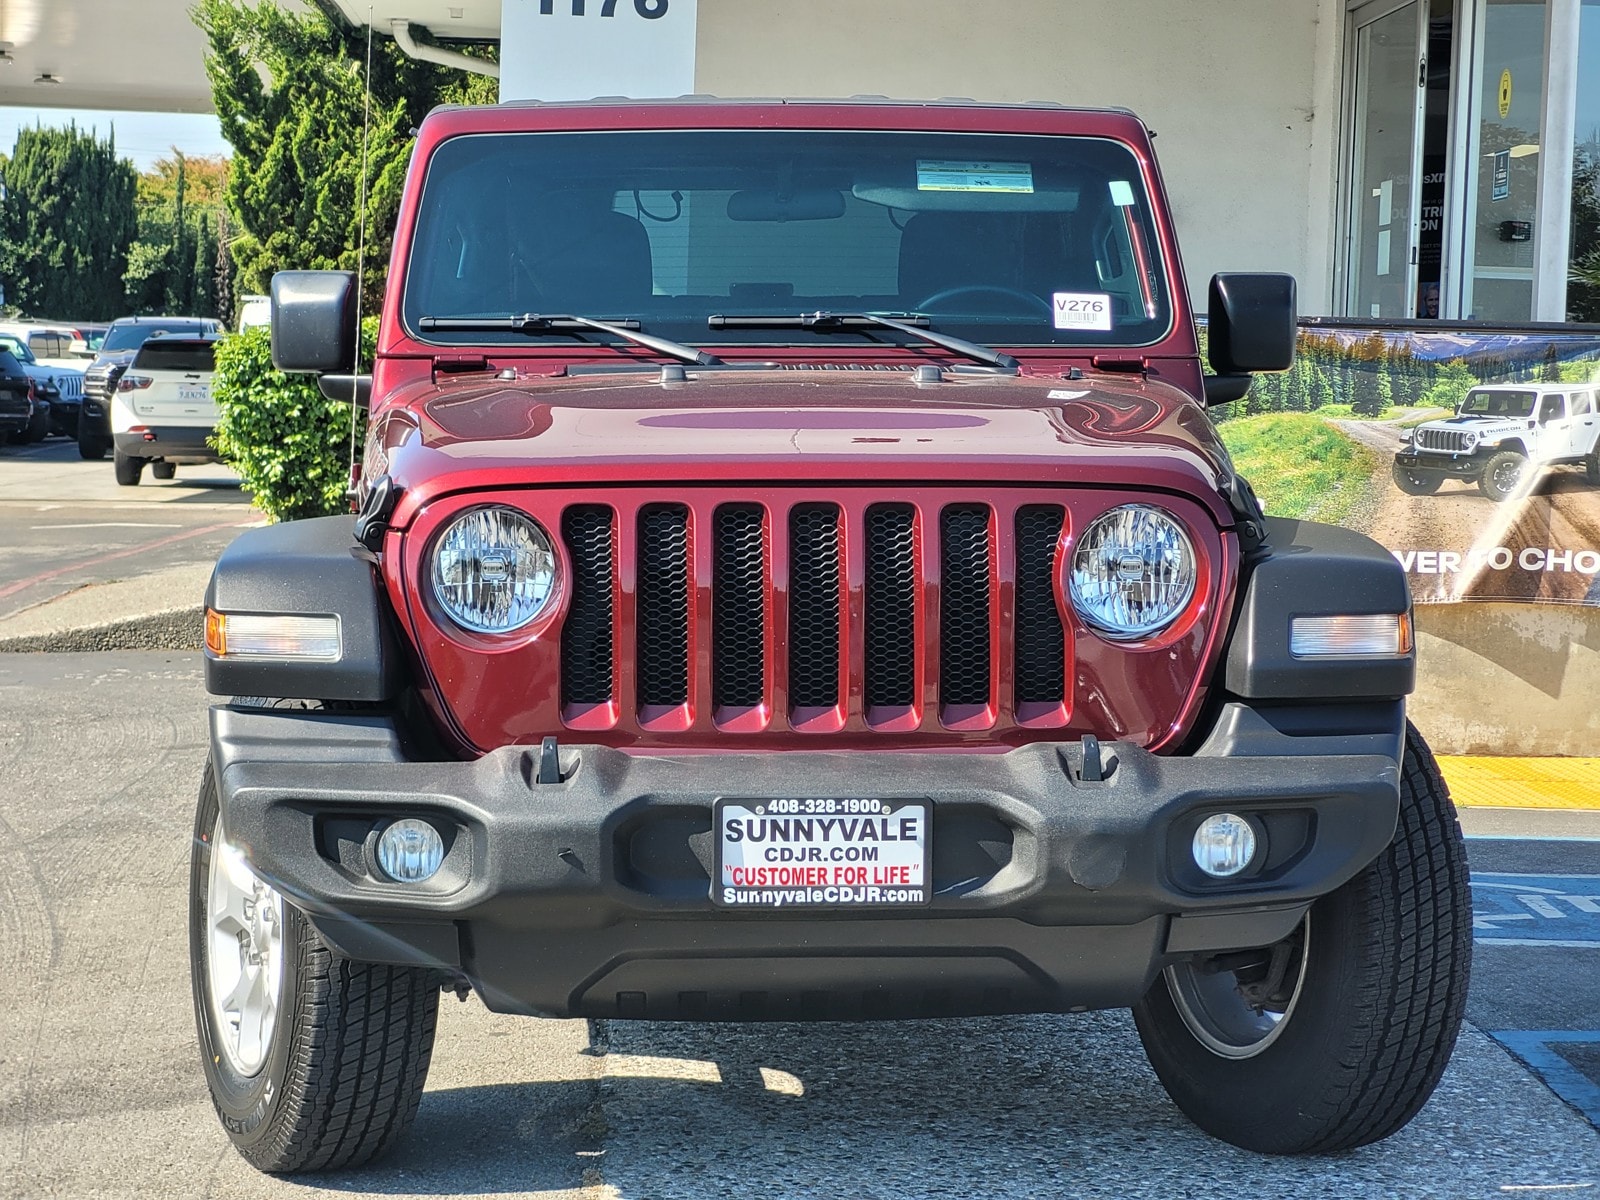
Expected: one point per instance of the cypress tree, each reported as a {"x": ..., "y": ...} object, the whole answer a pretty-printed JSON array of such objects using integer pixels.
[
  {"x": 290, "y": 94},
  {"x": 66, "y": 224}
]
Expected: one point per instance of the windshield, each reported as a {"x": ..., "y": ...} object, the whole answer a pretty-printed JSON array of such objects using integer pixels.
[
  {"x": 1007, "y": 239},
  {"x": 1497, "y": 404},
  {"x": 15, "y": 347},
  {"x": 127, "y": 337}
]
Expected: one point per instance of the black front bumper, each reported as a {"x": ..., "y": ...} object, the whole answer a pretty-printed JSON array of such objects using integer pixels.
[
  {"x": 1465, "y": 466},
  {"x": 590, "y": 896}
]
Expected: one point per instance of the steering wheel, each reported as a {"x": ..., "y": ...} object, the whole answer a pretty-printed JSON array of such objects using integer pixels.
[{"x": 993, "y": 289}]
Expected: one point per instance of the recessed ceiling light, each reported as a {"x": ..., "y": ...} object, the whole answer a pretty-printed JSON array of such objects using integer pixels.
[{"x": 48, "y": 79}]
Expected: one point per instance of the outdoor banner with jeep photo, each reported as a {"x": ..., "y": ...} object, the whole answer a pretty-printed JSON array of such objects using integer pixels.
[{"x": 1472, "y": 454}]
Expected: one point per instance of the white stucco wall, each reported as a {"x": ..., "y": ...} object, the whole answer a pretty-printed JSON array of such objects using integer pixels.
[{"x": 1243, "y": 94}]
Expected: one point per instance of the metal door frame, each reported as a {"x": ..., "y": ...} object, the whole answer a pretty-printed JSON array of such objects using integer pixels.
[{"x": 1359, "y": 14}]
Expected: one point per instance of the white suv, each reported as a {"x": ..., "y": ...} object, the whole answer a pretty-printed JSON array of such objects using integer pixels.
[
  {"x": 1500, "y": 436},
  {"x": 162, "y": 412}
]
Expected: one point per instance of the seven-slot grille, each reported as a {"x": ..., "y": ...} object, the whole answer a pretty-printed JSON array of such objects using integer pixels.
[
  {"x": 807, "y": 613},
  {"x": 1453, "y": 440},
  {"x": 70, "y": 385}
]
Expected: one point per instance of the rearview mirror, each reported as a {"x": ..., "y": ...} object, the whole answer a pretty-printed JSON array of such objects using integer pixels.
[
  {"x": 314, "y": 321},
  {"x": 804, "y": 204}
]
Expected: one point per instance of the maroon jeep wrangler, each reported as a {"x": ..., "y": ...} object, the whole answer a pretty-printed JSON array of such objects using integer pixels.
[{"x": 795, "y": 578}]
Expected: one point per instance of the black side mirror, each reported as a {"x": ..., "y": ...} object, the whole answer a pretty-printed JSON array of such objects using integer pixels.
[
  {"x": 1251, "y": 328},
  {"x": 314, "y": 321}
]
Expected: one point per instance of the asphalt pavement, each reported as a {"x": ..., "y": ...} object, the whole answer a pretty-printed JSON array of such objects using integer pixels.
[{"x": 85, "y": 563}]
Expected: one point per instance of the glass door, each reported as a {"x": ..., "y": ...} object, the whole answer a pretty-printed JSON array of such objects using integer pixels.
[
  {"x": 1504, "y": 142},
  {"x": 1387, "y": 89}
]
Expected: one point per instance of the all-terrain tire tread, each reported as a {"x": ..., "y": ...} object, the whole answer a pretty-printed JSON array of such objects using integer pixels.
[
  {"x": 357, "y": 1075},
  {"x": 1420, "y": 885}
]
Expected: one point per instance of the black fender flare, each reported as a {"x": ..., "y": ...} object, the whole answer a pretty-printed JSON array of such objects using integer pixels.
[{"x": 306, "y": 568}]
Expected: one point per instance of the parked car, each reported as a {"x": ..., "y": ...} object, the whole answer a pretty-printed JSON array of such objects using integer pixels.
[
  {"x": 162, "y": 413},
  {"x": 123, "y": 338},
  {"x": 50, "y": 344},
  {"x": 58, "y": 388},
  {"x": 1501, "y": 436},
  {"x": 795, "y": 577},
  {"x": 255, "y": 312},
  {"x": 16, "y": 399},
  {"x": 89, "y": 338}
]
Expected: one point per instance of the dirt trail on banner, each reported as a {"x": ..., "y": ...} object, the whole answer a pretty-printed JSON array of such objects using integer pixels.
[{"x": 1561, "y": 513}]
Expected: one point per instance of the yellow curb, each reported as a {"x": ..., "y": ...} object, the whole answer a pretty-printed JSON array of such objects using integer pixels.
[{"x": 1561, "y": 783}]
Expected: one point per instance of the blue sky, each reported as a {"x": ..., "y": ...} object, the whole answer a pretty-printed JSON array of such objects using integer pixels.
[{"x": 143, "y": 137}]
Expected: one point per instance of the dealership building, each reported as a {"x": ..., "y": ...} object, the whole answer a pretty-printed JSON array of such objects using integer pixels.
[{"x": 1402, "y": 158}]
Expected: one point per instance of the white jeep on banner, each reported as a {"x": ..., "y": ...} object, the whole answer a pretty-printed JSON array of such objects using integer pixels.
[{"x": 1501, "y": 438}]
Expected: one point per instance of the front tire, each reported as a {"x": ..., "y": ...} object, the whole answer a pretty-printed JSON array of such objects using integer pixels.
[
  {"x": 317, "y": 1063},
  {"x": 1416, "y": 483},
  {"x": 92, "y": 446},
  {"x": 128, "y": 469},
  {"x": 1350, "y": 1044},
  {"x": 1591, "y": 469},
  {"x": 1504, "y": 476},
  {"x": 38, "y": 427}
]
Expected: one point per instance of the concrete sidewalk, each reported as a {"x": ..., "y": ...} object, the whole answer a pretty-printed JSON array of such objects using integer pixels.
[{"x": 158, "y": 611}]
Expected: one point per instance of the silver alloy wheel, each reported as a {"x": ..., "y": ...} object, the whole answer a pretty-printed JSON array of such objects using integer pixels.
[
  {"x": 1508, "y": 475},
  {"x": 1220, "y": 1018},
  {"x": 244, "y": 957}
]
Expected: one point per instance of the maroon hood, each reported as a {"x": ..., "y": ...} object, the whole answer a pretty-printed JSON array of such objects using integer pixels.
[{"x": 804, "y": 425}]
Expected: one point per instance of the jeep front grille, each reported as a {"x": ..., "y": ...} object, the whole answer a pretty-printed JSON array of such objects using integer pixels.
[
  {"x": 814, "y": 615},
  {"x": 1452, "y": 440}
]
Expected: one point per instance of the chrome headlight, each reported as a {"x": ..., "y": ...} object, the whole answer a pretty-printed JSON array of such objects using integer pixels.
[
  {"x": 1468, "y": 441},
  {"x": 1132, "y": 573},
  {"x": 493, "y": 570}
]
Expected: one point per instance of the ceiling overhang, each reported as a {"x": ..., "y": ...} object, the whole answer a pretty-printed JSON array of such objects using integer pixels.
[{"x": 149, "y": 56}]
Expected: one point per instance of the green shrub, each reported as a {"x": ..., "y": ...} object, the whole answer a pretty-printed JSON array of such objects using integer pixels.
[{"x": 289, "y": 443}]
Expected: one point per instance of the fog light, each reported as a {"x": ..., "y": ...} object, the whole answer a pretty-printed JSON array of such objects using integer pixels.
[
  {"x": 1224, "y": 845},
  {"x": 410, "y": 851}
]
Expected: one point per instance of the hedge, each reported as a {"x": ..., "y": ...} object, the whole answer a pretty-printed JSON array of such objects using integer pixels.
[{"x": 289, "y": 443}]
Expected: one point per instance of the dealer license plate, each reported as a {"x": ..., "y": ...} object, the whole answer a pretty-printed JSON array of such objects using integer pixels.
[
  {"x": 844, "y": 852},
  {"x": 198, "y": 392}
]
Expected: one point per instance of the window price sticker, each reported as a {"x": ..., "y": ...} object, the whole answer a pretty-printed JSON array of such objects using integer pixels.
[
  {"x": 939, "y": 176},
  {"x": 1081, "y": 310}
]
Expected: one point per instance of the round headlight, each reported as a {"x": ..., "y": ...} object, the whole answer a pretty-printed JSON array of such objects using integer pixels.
[
  {"x": 1132, "y": 573},
  {"x": 1468, "y": 441},
  {"x": 493, "y": 570}
]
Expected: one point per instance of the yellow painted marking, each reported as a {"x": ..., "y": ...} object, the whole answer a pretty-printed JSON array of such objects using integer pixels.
[
  {"x": 1570, "y": 783},
  {"x": 1505, "y": 93}
]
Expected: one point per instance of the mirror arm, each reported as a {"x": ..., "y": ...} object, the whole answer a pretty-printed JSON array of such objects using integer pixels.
[
  {"x": 1225, "y": 389},
  {"x": 352, "y": 389}
]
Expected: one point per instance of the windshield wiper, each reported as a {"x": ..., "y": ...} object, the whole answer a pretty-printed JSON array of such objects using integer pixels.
[
  {"x": 534, "y": 324},
  {"x": 829, "y": 322}
]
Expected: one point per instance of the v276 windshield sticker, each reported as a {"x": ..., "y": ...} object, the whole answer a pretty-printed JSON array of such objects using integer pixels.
[{"x": 1081, "y": 310}]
